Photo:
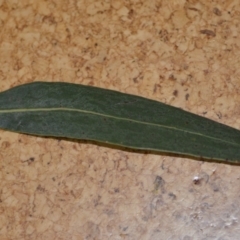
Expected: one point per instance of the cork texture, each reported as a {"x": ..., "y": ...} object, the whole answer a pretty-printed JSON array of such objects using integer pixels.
[{"x": 183, "y": 53}]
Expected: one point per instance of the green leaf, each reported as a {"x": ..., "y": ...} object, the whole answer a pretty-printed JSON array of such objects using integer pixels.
[{"x": 89, "y": 113}]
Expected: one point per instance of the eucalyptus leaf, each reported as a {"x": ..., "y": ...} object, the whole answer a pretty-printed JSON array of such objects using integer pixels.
[{"x": 76, "y": 111}]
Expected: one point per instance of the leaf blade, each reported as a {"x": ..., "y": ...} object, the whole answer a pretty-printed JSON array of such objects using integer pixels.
[{"x": 84, "y": 112}]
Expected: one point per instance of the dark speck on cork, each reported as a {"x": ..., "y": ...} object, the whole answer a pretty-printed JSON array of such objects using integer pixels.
[
  {"x": 217, "y": 12},
  {"x": 208, "y": 32},
  {"x": 175, "y": 93}
]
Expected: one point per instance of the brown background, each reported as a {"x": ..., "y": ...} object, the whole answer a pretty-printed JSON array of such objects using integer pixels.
[{"x": 183, "y": 53}]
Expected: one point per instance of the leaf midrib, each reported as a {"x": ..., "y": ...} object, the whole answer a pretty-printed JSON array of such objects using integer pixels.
[{"x": 108, "y": 116}]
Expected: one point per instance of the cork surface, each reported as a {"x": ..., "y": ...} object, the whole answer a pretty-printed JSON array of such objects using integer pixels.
[{"x": 183, "y": 53}]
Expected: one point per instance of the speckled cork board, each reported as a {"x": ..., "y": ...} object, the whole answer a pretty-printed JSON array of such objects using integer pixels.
[{"x": 183, "y": 53}]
